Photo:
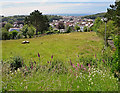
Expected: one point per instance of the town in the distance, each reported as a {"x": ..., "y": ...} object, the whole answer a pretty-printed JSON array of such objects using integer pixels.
[{"x": 56, "y": 22}]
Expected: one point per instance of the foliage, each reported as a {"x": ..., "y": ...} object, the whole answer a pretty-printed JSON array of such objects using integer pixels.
[
  {"x": 53, "y": 17},
  {"x": 19, "y": 35},
  {"x": 116, "y": 60},
  {"x": 69, "y": 29},
  {"x": 54, "y": 76},
  {"x": 5, "y": 34},
  {"x": 13, "y": 34},
  {"x": 77, "y": 27},
  {"x": 28, "y": 30},
  {"x": 113, "y": 13},
  {"x": 85, "y": 29},
  {"x": 31, "y": 31},
  {"x": 24, "y": 30},
  {"x": 12, "y": 19},
  {"x": 8, "y": 26},
  {"x": 61, "y": 25},
  {"x": 16, "y": 62},
  {"x": 110, "y": 30},
  {"x": 97, "y": 24},
  {"x": 39, "y": 21}
]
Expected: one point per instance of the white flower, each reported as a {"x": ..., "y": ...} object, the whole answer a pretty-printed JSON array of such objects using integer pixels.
[
  {"x": 18, "y": 69},
  {"x": 90, "y": 79},
  {"x": 91, "y": 82},
  {"x": 15, "y": 71},
  {"x": 77, "y": 86}
]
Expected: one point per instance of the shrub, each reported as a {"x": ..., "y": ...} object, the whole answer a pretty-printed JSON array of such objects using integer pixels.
[
  {"x": 16, "y": 63},
  {"x": 115, "y": 62}
]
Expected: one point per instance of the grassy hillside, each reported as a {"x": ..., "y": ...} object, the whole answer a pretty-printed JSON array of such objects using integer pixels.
[
  {"x": 58, "y": 73},
  {"x": 94, "y": 16},
  {"x": 61, "y": 46}
]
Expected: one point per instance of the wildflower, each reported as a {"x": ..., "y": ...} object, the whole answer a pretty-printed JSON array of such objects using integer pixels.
[
  {"x": 18, "y": 69},
  {"x": 81, "y": 66},
  {"x": 77, "y": 86},
  {"x": 15, "y": 71},
  {"x": 103, "y": 61},
  {"x": 91, "y": 82},
  {"x": 85, "y": 69},
  {"x": 52, "y": 57},
  {"x": 26, "y": 67},
  {"x": 95, "y": 55},
  {"x": 76, "y": 68},
  {"x": 38, "y": 55},
  {"x": 78, "y": 65},
  {"x": 34, "y": 62},
  {"x": 78, "y": 55},
  {"x": 90, "y": 79},
  {"x": 48, "y": 61},
  {"x": 89, "y": 65},
  {"x": 73, "y": 65},
  {"x": 22, "y": 62},
  {"x": 70, "y": 62}
]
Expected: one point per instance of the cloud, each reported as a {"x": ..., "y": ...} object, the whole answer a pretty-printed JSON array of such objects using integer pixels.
[{"x": 24, "y": 8}]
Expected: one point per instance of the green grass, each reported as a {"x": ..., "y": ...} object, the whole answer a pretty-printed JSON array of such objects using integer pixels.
[
  {"x": 62, "y": 46},
  {"x": 60, "y": 76}
]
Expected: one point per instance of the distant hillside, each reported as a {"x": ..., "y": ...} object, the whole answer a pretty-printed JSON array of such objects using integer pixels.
[
  {"x": 94, "y": 16},
  {"x": 12, "y": 19}
]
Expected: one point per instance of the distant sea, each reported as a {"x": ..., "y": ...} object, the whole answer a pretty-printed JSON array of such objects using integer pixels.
[{"x": 69, "y": 14}]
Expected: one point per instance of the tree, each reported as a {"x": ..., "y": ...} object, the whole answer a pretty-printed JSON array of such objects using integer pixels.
[
  {"x": 113, "y": 13},
  {"x": 61, "y": 25},
  {"x": 97, "y": 24},
  {"x": 111, "y": 29},
  {"x": 5, "y": 34},
  {"x": 8, "y": 26},
  {"x": 24, "y": 30},
  {"x": 77, "y": 27},
  {"x": 31, "y": 31},
  {"x": 19, "y": 35},
  {"x": 39, "y": 21},
  {"x": 13, "y": 34},
  {"x": 28, "y": 30},
  {"x": 85, "y": 29},
  {"x": 69, "y": 29}
]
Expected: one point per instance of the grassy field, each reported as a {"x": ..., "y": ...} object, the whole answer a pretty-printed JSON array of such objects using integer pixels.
[
  {"x": 90, "y": 73},
  {"x": 61, "y": 46}
]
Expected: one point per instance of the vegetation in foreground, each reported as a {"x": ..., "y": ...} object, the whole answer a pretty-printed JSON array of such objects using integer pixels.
[{"x": 83, "y": 75}]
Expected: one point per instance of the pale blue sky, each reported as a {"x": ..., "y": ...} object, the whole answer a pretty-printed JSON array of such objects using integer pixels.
[
  {"x": 58, "y": 0},
  {"x": 24, "y": 7}
]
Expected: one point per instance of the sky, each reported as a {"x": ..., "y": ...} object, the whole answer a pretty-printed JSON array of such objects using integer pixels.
[{"x": 25, "y": 7}]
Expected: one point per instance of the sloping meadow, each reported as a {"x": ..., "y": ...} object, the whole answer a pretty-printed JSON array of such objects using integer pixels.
[{"x": 61, "y": 62}]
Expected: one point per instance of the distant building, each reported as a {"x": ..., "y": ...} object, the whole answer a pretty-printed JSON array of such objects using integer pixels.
[{"x": 12, "y": 29}]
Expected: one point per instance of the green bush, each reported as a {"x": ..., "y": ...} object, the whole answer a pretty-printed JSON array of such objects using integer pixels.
[
  {"x": 115, "y": 62},
  {"x": 16, "y": 63}
]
